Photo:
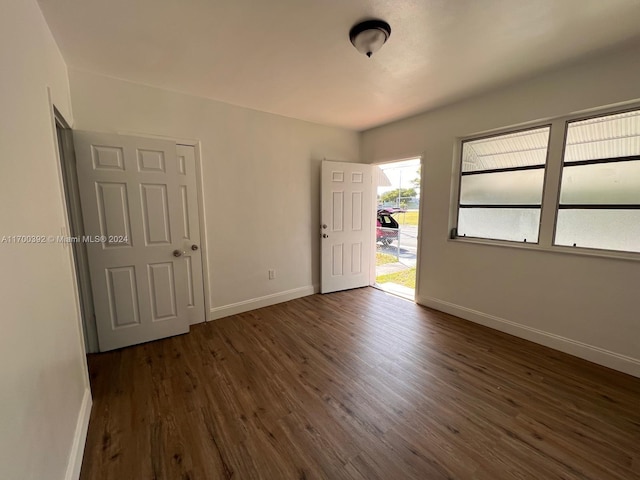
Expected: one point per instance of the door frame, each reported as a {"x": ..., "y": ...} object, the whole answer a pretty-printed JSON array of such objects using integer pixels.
[
  {"x": 197, "y": 146},
  {"x": 421, "y": 156},
  {"x": 65, "y": 165},
  {"x": 75, "y": 228}
]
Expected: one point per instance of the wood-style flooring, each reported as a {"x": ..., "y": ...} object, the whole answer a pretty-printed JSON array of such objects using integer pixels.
[{"x": 357, "y": 385}]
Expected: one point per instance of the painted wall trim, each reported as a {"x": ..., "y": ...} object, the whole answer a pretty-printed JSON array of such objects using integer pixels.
[
  {"x": 79, "y": 438},
  {"x": 588, "y": 352},
  {"x": 267, "y": 300}
]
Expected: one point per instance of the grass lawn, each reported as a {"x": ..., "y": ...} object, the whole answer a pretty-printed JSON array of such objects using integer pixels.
[
  {"x": 406, "y": 278},
  {"x": 407, "y": 218},
  {"x": 382, "y": 258}
]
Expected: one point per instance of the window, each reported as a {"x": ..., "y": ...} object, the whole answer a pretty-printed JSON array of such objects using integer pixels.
[
  {"x": 600, "y": 190},
  {"x": 501, "y": 185},
  {"x": 587, "y": 170}
]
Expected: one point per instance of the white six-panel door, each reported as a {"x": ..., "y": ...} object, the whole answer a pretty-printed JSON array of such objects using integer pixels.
[
  {"x": 132, "y": 207},
  {"x": 346, "y": 218}
]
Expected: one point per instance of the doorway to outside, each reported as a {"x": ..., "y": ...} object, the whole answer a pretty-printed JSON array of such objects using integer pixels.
[{"x": 398, "y": 211}]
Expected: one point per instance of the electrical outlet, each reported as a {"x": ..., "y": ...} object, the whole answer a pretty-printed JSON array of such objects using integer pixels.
[{"x": 272, "y": 274}]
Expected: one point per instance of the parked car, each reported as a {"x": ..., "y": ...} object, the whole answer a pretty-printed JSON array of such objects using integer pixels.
[{"x": 386, "y": 225}]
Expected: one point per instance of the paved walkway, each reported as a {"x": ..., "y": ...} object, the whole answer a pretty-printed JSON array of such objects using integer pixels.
[
  {"x": 399, "y": 290},
  {"x": 390, "y": 268},
  {"x": 406, "y": 262}
]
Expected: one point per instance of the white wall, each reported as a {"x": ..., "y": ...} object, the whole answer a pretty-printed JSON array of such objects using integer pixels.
[
  {"x": 583, "y": 305},
  {"x": 43, "y": 374},
  {"x": 261, "y": 181}
]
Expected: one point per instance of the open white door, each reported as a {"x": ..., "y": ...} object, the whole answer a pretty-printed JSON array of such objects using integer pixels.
[
  {"x": 346, "y": 218},
  {"x": 190, "y": 232},
  {"x": 131, "y": 202}
]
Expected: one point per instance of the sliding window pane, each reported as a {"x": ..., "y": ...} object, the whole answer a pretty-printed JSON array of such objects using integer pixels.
[
  {"x": 519, "y": 149},
  {"x": 601, "y": 229},
  {"x": 514, "y": 224},
  {"x": 602, "y": 183},
  {"x": 600, "y": 195},
  {"x": 523, "y": 187},
  {"x": 603, "y": 137}
]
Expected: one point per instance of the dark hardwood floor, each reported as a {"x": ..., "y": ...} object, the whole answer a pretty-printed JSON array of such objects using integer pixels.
[{"x": 357, "y": 385}]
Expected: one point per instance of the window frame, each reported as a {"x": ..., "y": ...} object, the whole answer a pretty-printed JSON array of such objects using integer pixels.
[
  {"x": 460, "y": 174},
  {"x": 553, "y": 171},
  {"x": 596, "y": 161}
]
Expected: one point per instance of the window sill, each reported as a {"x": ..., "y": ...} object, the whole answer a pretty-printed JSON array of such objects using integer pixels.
[{"x": 588, "y": 252}]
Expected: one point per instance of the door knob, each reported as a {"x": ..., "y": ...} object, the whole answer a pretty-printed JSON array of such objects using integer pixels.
[
  {"x": 177, "y": 253},
  {"x": 324, "y": 225},
  {"x": 324, "y": 235},
  {"x": 194, "y": 247}
]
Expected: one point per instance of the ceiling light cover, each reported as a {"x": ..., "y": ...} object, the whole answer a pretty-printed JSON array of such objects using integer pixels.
[{"x": 369, "y": 36}]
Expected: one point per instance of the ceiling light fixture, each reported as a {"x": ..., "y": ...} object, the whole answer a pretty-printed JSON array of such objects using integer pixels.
[{"x": 369, "y": 36}]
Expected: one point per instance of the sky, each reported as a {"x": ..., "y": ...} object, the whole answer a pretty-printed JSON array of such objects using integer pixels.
[{"x": 404, "y": 171}]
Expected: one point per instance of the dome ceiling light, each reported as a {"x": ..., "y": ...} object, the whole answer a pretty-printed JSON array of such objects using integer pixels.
[{"x": 369, "y": 36}]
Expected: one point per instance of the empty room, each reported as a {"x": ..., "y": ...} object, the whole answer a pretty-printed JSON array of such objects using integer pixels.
[{"x": 196, "y": 197}]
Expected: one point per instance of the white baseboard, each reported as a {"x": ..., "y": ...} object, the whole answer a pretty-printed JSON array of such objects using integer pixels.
[
  {"x": 267, "y": 300},
  {"x": 79, "y": 438},
  {"x": 588, "y": 352}
]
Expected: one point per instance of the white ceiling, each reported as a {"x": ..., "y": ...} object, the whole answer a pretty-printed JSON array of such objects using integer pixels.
[{"x": 294, "y": 58}]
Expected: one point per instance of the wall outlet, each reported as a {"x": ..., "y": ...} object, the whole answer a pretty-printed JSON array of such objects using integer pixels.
[{"x": 272, "y": 274}]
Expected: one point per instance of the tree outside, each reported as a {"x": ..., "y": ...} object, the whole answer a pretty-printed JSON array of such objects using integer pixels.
[{"x": 398, "y": 197}]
